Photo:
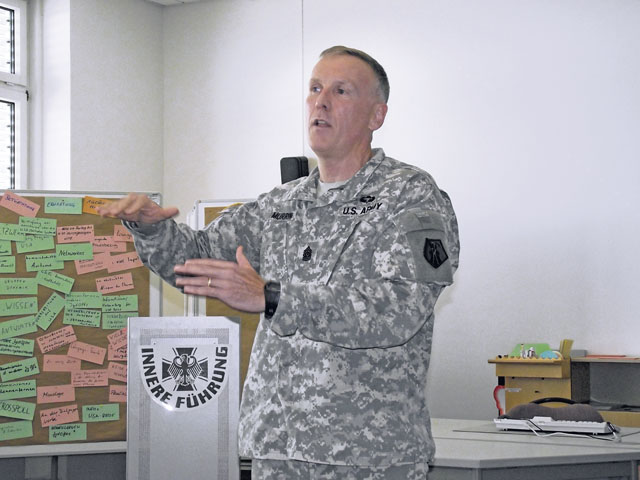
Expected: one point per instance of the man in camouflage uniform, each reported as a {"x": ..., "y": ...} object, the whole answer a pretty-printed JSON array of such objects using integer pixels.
[{"x": 347, "y": 265}]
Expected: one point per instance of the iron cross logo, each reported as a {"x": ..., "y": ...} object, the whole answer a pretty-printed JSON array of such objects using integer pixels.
[{"x": 184, "y": 378}]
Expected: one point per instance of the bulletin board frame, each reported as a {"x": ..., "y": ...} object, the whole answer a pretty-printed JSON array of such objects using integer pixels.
[{"x": 101, "y": 437}]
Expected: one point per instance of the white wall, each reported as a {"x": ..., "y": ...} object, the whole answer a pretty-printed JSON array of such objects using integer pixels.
[{"x": 525, "y": 112}]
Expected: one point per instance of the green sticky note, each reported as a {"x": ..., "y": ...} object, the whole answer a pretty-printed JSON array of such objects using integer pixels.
[
  {"x": 44, "y": 261},
  {"x": 37, "y": 225},
  {"x": 8, "y": 264},
  {"x": 50, "y": 311},
  {"x": 19, "y": 389},
  {"x": 55, "y": 281},
  {"x": 18, "y": 286},
  {"x": 68, "y": 432},
  {"x": 14, "y": 430},
  {"x": 82, "y": 317},
  {"x": 116, "y": 320},
  {"x": 19, "y": 369},
  {"x": 21, "y": 347},
  {"x": 17, "y": 409},
  {"x": 84, "y": 300},
  {"x": 119, "y": 303},
  {"x": 74, "y": 251},
  {"x": 101, "y": 413},
  {"x": 35, "y": 243},
  {"x": 64, "y": 205},
  {"x": 5, "y": 247},
  {"x": 17, "y": 327},
  {"x": 11, "y": 231},
  {"x": 18, "y": 306}
]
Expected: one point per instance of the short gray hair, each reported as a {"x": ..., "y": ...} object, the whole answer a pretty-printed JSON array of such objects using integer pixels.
[{"x": 381, "y": 75}]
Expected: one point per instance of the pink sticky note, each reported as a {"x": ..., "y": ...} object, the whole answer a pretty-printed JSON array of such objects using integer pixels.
[
  {"x": 99, "y": 262},
  {"x": 75, "y": 233},
  {"x": 59, "y": 415},
  {"x": 19, "y": 204},
  {"x": 124, "y": 261},
  {"x": 121, "y": 234},
  {"x": 118, "y": 338},
  {"x": 90, "y": 378},
  {"x": 115, "y": 283},
  {"x": 56, "y": 394},
  {"x": 108, "y": 244},
  {"x": 117, "y": 371},
  {"x": 117, "y": 393},
  {"x": 60, "y": 363},
  {"x": 88, "y": 352},
  {"x": 118, "y": 354},
  {"x": 56, "y": 339}
]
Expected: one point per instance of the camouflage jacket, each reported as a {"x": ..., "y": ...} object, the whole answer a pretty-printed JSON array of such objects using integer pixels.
[{"x": 338, "y": 374}]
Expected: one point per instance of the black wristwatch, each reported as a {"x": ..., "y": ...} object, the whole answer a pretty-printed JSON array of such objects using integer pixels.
[{"x": 271, "y": 298}]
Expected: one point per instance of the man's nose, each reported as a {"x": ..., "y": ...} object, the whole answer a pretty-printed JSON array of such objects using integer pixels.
[{"x": 322, "y": 101}]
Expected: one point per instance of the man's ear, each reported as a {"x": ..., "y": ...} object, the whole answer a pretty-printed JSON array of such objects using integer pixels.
[{"x": 377, "y": 116}]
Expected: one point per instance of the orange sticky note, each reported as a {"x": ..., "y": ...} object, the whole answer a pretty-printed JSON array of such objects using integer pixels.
[
  {"x": 121, "y": 234},
  {"x": 56, "y": 339},
  {"x": 91, "y": 204},
  {"x": 75, "y": 233},
  {"x": 56, "y": 394},
  {"x": 88, "y": 352},
  {"x": 117, "y": 393},
  {"x": 117, "y": 371},
  {"x": 59, "y": 415},
  {"x": 89, "y": 378},
  {"x": 124, "y": 261},
  {"x": 100, "y": 262},
  {"x": 19, "y": 204},
  {"x": 108, "y": 244},
  {"x": 115, "y": 283},
  {"x": 60, "y": 363},
  {"x": 118, "y": 338},
  {"x": 117, "y": 353}
]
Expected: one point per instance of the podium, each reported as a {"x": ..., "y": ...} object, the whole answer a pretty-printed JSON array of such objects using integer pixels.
[{"x": 183, "y": 398}]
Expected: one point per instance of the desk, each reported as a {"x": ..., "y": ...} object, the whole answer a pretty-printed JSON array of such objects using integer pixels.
[{"x": 464, "y": 451}]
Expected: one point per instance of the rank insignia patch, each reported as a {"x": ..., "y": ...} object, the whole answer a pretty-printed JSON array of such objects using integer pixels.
[
  {"x": 306, "y": 255},
  {"x": 434, "y": 252}
]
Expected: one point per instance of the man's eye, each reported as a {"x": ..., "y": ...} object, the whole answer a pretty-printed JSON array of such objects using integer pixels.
[
  {"x": 314, "y": 89},
  {"x": 340, "y": 91}
]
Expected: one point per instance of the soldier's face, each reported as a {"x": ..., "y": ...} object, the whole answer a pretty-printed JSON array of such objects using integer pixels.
[{"x": 343, "y": 107}]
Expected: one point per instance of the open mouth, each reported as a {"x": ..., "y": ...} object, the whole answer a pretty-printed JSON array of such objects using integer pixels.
[{"x": 320, "y": 123}]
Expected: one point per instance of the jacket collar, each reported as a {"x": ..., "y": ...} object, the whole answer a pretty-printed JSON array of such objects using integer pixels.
[{"x": 306, "y": 189}]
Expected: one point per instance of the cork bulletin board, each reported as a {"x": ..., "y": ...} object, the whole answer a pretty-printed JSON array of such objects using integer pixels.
[
  {"x": 203, "y": 213},
  {"x": 69, "y": 280}
]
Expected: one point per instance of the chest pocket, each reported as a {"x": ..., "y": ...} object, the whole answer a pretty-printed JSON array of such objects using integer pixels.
[
  {"x": 273, "y": 258},
  {"x": 426, "y": 235}
]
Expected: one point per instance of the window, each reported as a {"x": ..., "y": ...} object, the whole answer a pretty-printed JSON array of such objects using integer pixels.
[{"x": 13, "y": 94}]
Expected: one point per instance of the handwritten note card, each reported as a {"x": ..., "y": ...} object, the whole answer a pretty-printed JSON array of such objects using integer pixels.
[
  {"x": 21, "y": 347},
  {"x": 82, "y": 317},
  {"x": 87, "y": 352},
  {"x": 5, "y": 247},
  {"x": 17, "y": 327},
  {"x": 56, "y": 339},
  {"x": 55, "y": 281},
  {"x": 84, "y": 300},
  {"x": 19, "y": 389},
  {"x": 74, "y": 251},
  {"x": 15, "y": 430},
  {"x": 89, "y": 378},
  {"x": 91, "y": 204},
  {"x": 115, "y": 283},
  {"x": 49, "y": 311},
  {"x": 121, "y": 234},
  {"x": 117, "y": 354},
  {"x": 19, "y": 205},
  {"x": 99, "y": 262},
  {"x": 117, "y": 371},
  {"x": 75, "y": 233},
  {"x": 59, "y": 415},
  {"x": 17, "y": 409},
  {"x": 37, "y": 226},
  {"x": 19, "y": 369},
  {"x": 119, "y": 303},
  {"x": 43, "y": 261},
  {"x": 18, "y": 286},
  {"x": 60, "y": 363},
  {"x": 116, "y": 320},
  {"x": 117, "y": 393},
  {"x": 18, "y": 306},
  {"x": 63, "y": 205},
  {"x": 8, "y": 264},
  {"x": 118, "y": 339},
  {"x": 56, "y": 394},
  {"x": 11, "y": 231},
  {"x": 108, "y": 244},
  {"x": 35, "y": 243},
  {"x": 101, "y": 413},
  {"x": 70, "y": 432}
]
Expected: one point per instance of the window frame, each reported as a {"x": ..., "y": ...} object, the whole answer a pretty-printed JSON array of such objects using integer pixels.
[{"x": 20, "y": 75}]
